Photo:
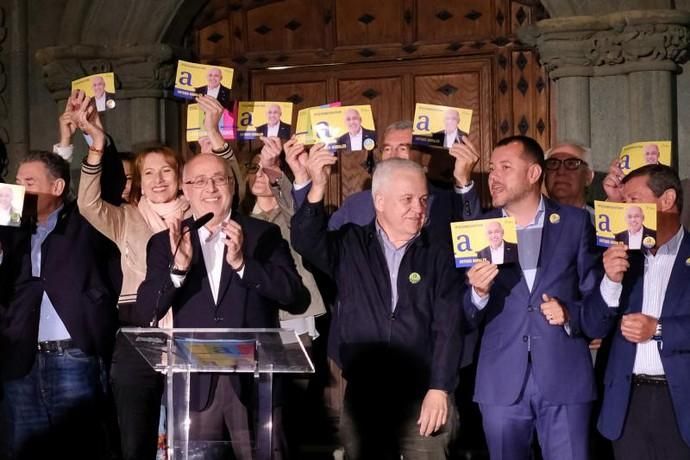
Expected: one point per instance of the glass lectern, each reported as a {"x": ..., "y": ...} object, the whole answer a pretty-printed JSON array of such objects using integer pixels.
[{"x": 177, "y": 353}]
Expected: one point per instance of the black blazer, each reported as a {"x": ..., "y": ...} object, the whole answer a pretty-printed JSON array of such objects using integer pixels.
[
  {"x": 439, "y": 137},
  {"x": 75, "y": 274},
  {"x": 422, "y": 338},
  {"x": 510, "y": 253},
  {"x": 283, "y": 130},
  {"x": 270, "y": 281},
  {"x": 625, "y": 238},
  {"x": 366, "y": 134},
  {"x": 223, "y": 95}
]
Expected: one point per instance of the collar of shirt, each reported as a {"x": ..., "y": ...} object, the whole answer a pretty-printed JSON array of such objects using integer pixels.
[
  {"x": 266, "y": 215},
  {"x": 671, "y": 247},
  {"x": 538, "y": 220},
  {"x": 213, "y": 92},
  {"x": 50, "y": 223},
  {"x": 206, "y": 236},
  {"x": 273, "y": 130},
  {"x": 387, "y": 243}
]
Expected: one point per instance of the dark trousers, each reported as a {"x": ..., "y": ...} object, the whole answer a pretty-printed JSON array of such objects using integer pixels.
[
  {"x": 651, "y": 431},
  {"x": 137, "y": 392},
  {"x": 562, "y": 429},
  {"x": 388, "y": 431},
  {"x": 56, "y": 410},
  {"x": 228, "y": 423}
]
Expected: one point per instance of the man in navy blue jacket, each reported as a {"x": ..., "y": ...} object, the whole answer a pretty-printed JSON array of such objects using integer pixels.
[
  {"x": 645, "y": 296},
  {"x": 57, "y": 321},
  {"x": 534, "y": 369},
  {"x": 399, "y": 328}
]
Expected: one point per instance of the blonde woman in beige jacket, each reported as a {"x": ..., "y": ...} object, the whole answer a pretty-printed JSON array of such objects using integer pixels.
[{"x": 155, "y": 199}]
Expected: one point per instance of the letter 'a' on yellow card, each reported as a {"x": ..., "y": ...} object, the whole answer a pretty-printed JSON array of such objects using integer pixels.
[
  {"x": 632, "y": 224},
  {"x": 440, "y": 126},
  {"x": 639, "y": 154},
  {"x": 493, "y": 240}
]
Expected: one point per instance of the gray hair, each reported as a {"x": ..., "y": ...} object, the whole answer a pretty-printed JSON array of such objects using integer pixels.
[
  {"x": 397, "y": 126},
  {"x": 585, "y": 152},
  {"x": 387, "y": 168}
]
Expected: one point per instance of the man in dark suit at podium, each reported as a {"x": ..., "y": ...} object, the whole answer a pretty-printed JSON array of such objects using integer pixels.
[
  {"x": 215, "y": 89},
  {"x": 450, "y": 134},
  {"x": 273, "y": 126},
  {"x": 234, "y": 272},
  {"x": 498, "y": 251}
]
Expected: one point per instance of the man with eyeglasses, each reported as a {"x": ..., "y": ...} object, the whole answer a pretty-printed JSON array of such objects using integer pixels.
[
  {"x": 569, "y": 173},
  {"x": 445, "y": 206},
  {"x": 234, "y": 272}
]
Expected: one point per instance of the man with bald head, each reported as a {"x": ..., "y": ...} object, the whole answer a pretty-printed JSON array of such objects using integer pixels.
[
  {"x": 636, "y": 233},
  {"x": 568, "y": 174},
  {"x": 274, "y": 127},
  {"x": 499, "y": 251},
  {"x": 234, "y": 272},
  {"x": 356, "y": 136},
  {"x": 215, "y": 89},
  {"x": 651, "y": 154},
  {"x": 100, "y": 95},
  {"x": 450, "y": 134}
]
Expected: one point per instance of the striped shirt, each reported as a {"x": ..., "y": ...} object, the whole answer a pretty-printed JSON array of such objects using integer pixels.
[{"x": 657, "y": 272}]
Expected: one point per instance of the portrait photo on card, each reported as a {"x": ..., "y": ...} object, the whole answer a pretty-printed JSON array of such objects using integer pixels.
[
  {"x": 632, "y": 224},
  {"x": 192, "y": 79},
  {"x": 439, "y": 125},
  {"x": 493, "y": 240},
  {"x": 264, "y": 118},
  {"x": 348, "y": 128},
  {"x": 644, "y": 153},
  {"x": 100, "y": 87},
  {"x": 11, "y": 204}
]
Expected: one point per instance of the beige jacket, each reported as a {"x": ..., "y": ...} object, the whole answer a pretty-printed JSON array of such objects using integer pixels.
[
  {"x": 281, "y": 217},
  {"x": 124, "y": 225}
]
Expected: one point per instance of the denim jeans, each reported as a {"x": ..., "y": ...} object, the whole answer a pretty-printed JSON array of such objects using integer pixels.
[{"x": 54, "y": 411}]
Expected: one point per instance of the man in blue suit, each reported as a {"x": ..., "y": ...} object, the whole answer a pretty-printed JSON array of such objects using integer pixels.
[
  {"x": 646, "y": 297},
  {"x": 534, "y": 368}
]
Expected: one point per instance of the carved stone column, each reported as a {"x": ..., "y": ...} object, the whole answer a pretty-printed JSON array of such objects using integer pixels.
[
  {"x": 143, "y": 74},
  {"x": 614, "y": 75}
]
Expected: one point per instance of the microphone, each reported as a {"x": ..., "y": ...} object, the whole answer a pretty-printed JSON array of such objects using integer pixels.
[
  {"x": 196, "y": 224},
  {"x": 193, "y": 225}
]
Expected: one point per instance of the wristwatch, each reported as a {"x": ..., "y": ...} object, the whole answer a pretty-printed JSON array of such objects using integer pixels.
[
  {"x": 177, "y": 271},
  {"x": 657, "y": 331}
]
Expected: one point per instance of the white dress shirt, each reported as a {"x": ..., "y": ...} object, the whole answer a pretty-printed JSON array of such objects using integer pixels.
[
  {"x": 272, "y": 131},
  {"x": 213, "y": 92},
  {"x": 497, "y": 254},
  {"x": 100, "y": 103},
  {"x": 657, "y": 273},
  {"x": 450, "y": 139},
  {"x": 635, "y": 239},
  {"x": 356, "y": 141},
  {"x": 213, "y": 251}
]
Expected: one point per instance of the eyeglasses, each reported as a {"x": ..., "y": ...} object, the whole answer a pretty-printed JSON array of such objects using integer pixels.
[
  {"x": 553, "y": 164},
  {"x": 202, "y": 181},
  {"x": 252, "y": 168}
]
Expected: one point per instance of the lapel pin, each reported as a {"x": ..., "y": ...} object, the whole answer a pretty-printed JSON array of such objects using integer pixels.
[
  {"x": 687, "y": 262},
  {"x": 414, "y": 278},
  {"x": 554, "y": 218}
]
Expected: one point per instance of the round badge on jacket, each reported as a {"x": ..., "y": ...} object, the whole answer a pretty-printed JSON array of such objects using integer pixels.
[
  {"x": 554, "y": 218},
  {"x": 414, "y": 277}
]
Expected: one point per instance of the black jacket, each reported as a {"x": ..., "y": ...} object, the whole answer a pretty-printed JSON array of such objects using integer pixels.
[
  {"x": 75, "y": 265},
  {"x": 424, "y": 331},
  {"x": 270, "y": 281}
]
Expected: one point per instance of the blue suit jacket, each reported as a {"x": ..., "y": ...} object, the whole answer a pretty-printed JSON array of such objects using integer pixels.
[
  {"x": 675, "y": 354},
  {"x": 568, "y": 269}
]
